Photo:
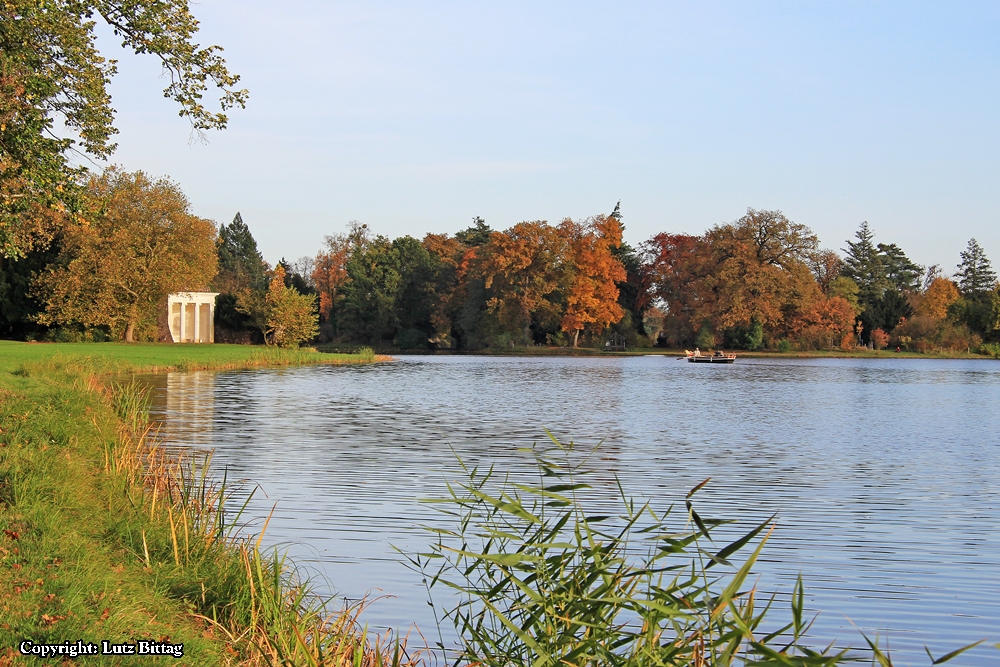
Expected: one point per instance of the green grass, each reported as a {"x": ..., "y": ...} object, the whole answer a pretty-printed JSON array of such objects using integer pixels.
[
  {"x": 111, "y": 358},
  {"x": 104, "y": 537}
]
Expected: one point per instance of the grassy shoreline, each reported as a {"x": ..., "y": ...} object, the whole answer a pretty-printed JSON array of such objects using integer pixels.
[{"x": 104, "y": 538}]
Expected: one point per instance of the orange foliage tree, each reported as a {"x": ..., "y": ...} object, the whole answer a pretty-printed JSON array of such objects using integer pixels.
[
  {"x": 330, "y": 265},
  {"x": 673, "y": 265},
  {"x": 592, "y": 297},
  {"x": 824, "y": 323},
  {"x": 524, "y": 268}
]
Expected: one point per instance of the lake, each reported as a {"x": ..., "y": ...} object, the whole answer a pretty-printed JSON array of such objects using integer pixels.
[{"x": 884, "y": 474}]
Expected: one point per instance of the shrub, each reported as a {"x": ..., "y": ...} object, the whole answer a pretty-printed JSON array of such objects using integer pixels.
[
  {"x": 879, "y": 339},
  {"x": 410, "y": 339},
  {"x": 784, "y": 345},
  {"x": 992, "y": 349},
  {"x": 705, "y": 338}
]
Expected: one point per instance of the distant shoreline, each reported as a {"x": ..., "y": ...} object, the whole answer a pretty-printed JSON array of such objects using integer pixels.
[{"x": 656, "y": 351}]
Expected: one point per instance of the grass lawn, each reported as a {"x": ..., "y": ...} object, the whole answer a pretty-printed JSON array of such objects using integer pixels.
[{"x": 85, "y": 553}]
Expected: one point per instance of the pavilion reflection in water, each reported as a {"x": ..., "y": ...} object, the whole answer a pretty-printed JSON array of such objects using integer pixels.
[{"x": 189, "y": 410}]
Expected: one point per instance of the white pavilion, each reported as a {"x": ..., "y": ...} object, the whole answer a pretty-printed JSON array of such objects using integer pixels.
[{"x": 191, "y": 316}]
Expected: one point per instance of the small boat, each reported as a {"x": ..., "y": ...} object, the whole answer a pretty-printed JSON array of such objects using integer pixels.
[{"x": 719, "y": 357}]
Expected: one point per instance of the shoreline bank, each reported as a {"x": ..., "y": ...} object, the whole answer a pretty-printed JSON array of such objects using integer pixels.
[{"x": 103, "y": 538}]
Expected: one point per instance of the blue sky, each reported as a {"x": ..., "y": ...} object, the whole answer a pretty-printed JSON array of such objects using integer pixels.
[{"x": 415, "y": 117}]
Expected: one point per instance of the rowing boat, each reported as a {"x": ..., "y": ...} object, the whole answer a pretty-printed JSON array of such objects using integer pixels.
[{"x": 697, "y": 357}]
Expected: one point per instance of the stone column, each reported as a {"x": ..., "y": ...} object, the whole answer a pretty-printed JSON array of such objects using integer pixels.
[
  {"x": 197, "y": 322},
  {"x": 180, "y": 334},
  {"x": 211, "y": 321}
]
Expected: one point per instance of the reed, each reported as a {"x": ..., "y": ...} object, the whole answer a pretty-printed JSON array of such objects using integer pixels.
[
  {"x": 544, "y": 581},
  {"x": 258, "y": 601}
]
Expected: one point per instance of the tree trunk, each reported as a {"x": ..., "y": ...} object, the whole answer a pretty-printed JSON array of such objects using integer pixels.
[
  {"x": 129, "y": 332},
  {"x": 576, "y": 336}
]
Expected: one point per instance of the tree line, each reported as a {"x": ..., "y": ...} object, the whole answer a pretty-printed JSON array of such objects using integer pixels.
[{"x": 759, "y": 281}]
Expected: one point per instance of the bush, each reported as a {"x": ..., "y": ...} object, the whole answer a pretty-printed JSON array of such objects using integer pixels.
[
  {"x": 746, "y": 338},
  {"x": 784, "y": 345},
  {"x": 705, "y": 338},
  {"x": 410, "y": 339},
  {"x": 992, "y": 349},
  {"x": 879, "y": 339}
]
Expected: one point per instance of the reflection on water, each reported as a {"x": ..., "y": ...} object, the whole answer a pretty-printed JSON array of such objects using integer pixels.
[{"x": 883, "y": 473}]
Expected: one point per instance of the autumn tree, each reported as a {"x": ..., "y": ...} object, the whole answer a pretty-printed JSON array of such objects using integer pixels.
[
  {"x": 937, "y": 298},
  {"x": 291, "y": 316},
  {"x": 675, "y": 265},
  {"x": 330, "y": 265},
  {"x": 759, "y": 270},
  {"x": 592, "y": 295},
  {"x": 142, "y": 244},
  {"x": 824, "y": 323},
  {"x": 51, "y": 71},
  {"x": 826, "y": 266},
  {"x": 524, "y": 271}
]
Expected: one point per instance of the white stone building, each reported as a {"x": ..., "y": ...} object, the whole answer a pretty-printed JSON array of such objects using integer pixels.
[{"x": 191, "y": 317}]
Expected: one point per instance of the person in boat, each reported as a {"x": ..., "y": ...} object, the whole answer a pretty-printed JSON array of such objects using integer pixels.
[
  {"x": 720, "y": 353},
  {"x": 697, "y": 352}
]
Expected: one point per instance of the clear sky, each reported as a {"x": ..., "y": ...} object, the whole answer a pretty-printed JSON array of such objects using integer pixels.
[{"x": 415, "y": 117}]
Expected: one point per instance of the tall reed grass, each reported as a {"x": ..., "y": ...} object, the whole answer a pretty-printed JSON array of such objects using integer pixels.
[
  {"x": 257, "y": 600},
  {"x": 544, "y": 581}
]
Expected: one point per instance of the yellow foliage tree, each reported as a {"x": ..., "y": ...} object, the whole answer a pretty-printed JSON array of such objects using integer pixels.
[
  {"x": 140, "y": 244},
  {"x": 291, "y": 317},
  {"x": 935, "y": 300}
]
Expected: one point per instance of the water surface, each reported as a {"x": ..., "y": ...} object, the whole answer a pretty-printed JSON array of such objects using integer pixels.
[{"x": 883, "y": 473}]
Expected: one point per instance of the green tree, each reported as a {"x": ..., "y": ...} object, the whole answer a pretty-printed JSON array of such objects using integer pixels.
[
  {"x": 478, "y": 234},
  {"x": 416, "y": 297},
  {"x": 900, "y": 273},
  {"x": 368, "y": 308},
  {"x": 979, "y": 306},
  {"x": 863, "y": 265},
  {"x": 975, "y": 273},
  {"x": 240, "y": 263},
  {"x": 50, "y": 69},
  {"x": 19, "y": 308},
  {"x": 242, "y": 279},
  {"x": 847, "y": 289}
]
